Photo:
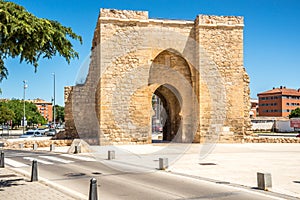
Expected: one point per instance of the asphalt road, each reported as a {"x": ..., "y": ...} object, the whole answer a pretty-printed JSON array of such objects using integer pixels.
[{"x": 73, "y": 173}]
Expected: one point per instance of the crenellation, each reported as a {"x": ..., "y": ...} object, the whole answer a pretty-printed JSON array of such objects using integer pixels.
[{"x": 123, "y": 14}]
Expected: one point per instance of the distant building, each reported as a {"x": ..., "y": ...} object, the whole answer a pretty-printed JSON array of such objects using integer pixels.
[
  {"x": 45, "y": 108},
  {"x": 254, "y": 108},
  {"x": 278, "y": 102}
]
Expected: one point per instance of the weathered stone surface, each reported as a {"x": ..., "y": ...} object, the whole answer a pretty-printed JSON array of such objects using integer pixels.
[
  {"x": 195, "y": 67},
  {"x": 270, "y": 140},
  {"x": 84, "y": 147},
  {"x": 40, "y": 143}
]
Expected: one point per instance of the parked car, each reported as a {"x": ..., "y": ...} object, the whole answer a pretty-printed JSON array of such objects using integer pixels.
[
  {"x": 31, "y": 134},
  {"x": 298, "y": 135},
  {"x": 51, "y": 132},
  {"x": 42, "y": 130}
]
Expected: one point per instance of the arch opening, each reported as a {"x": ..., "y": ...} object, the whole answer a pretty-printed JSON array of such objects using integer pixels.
[{"x": 166, "y": 121}]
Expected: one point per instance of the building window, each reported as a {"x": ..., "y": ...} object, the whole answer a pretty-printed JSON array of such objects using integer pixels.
[{"x": 287, "y": 104}]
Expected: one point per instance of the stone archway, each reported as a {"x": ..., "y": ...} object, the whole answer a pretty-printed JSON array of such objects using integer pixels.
[
  {"x": 170, "y": 118},
  {"x": 172, "y": 73}
]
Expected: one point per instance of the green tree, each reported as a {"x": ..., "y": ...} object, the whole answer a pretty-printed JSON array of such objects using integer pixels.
[
  {"x": 17, "y": 107},
  {"x": 30, "y": 38},
  {"x": 32, "y": 114},
  {"x": 6, "y": 114},
  {"x": 59, "y": 113},
  {"x": 295, "y": 113}
]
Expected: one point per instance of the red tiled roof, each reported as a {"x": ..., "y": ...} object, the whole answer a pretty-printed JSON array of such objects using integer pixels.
[{"x": 282, "y": 91}]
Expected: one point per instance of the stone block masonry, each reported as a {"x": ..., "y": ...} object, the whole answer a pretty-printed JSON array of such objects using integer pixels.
[{"x": 194, "y": 67}]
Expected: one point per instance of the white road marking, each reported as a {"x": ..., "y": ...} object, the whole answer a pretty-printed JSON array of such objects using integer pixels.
[
  {"x": 14, "y": 163},
  {"x": 57, "y": 159},
  {"x": 39, "y": 160},
  {"x": 79, "y": 157}
]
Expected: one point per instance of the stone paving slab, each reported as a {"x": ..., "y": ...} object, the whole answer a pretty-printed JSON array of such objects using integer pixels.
[{"x": 14, "y": 186}]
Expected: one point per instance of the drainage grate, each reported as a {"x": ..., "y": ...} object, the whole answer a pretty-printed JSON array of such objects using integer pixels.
[{"x": 207, "y": 164}]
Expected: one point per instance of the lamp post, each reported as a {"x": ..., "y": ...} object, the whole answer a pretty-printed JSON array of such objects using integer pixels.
[
  {"x": 25, "y": 86},
  {"x": 54, "y": 100}
]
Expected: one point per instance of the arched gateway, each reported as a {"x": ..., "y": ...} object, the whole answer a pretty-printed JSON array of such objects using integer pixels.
[{"x": 195, "y": 69}]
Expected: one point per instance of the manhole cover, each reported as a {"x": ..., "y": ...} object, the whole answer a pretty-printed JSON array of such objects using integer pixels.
[
  {"x": 74, "y": 174},
  {"x": 207, "y": 164},
  {"x": 223, "y": 182},
  {"x": 96, "y": 173}
]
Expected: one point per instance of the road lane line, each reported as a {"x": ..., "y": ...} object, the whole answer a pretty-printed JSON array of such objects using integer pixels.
[
  {"x": 79, "y": 157},
  {"x": 14, "y": 163},
  {"x": 38, "y": 160},
  {"x": 57, "y": 159}
]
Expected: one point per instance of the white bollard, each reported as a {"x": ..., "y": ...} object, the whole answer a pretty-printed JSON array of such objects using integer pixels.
[
  {"x": 34, "y": 147},
  {"x": 52, "y": 147},
  {"x": 111, "y": 155},
  {"x": 163, "y": 163},
  {"x": 264, "y": 181},
  {"x": 77, "y": 149}
]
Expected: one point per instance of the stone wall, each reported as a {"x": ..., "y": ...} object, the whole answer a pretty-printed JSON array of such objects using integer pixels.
[
  {"x": 271, "y": 140},
  {"x": 70, "y": 127},
  {"x": 40, "y": 143},
  {"x": 196, "y": 67}
]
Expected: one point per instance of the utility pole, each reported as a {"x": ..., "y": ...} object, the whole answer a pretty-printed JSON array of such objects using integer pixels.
[
  {"x": 54, "y": 100},
  {"x": 25, "y": 86}
]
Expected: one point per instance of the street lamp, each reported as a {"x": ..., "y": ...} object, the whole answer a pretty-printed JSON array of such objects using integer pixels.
[
  {"x": 54, "y": 99},
  {"x": 25, "y": 86}
]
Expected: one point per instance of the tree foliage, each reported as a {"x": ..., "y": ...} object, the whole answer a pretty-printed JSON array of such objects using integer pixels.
[
  {"x": 17, "y": 107},
  {"x": 295, "y": 113},
  {"x": 6, "y": 114},
  {"x": 24, "y": 35},
  {"x": 59, "y": 113}
]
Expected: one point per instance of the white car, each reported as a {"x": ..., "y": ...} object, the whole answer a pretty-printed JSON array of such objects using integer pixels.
[
  {"x": 31, "y": 133},
  {"x": 42, "y": 130}
]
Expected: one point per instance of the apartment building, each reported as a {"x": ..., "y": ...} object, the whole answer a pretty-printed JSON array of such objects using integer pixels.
[
  {"x": 45, "y": 108},
  {"x": 278, "y": 102}
]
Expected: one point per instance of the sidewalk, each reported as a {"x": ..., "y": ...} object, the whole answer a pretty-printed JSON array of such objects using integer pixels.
[
  {"x": 239, "y": 164},
  {"x": 16, "y": 186}
]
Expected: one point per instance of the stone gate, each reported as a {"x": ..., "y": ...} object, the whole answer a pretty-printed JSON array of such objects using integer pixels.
[{"x": 194, "y": 67}]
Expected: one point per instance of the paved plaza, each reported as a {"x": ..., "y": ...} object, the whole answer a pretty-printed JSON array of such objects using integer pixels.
[{"x": 231, "y": 164}]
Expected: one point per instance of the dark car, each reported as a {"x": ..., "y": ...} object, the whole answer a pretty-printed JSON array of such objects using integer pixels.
[{"x": 298, "y": 135}]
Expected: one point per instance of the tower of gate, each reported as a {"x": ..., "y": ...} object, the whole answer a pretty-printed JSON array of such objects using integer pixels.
[{"x": 195, "y": 67}]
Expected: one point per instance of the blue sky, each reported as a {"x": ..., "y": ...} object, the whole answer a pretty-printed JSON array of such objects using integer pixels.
[{"x": 271, "y": 40}]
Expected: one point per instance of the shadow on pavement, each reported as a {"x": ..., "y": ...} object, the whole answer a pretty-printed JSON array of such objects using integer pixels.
[
  {"x": 296, "y": 182},
  {"x": 10, "y": 183}
]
